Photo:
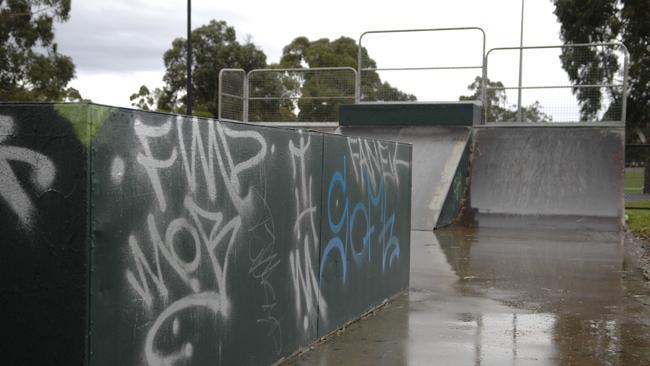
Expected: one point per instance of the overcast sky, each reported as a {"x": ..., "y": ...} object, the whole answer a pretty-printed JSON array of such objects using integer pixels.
[{"x": 118, "y": 45}]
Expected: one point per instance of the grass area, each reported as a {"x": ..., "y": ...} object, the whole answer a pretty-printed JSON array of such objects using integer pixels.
[
  {"x": 633, "y": 181},
  {"x": 639, "y": 220}
]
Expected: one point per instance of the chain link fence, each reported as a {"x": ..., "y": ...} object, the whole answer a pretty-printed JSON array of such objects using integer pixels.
[
  {"x": 637, "y": 161},
  {"x": 553, "y": 84},
  {"x": 562, "y": 84},
  {"x": 299, "y": 95},
  {"x": 419, "y": 64},
  {"x": 232, "y": 95}
]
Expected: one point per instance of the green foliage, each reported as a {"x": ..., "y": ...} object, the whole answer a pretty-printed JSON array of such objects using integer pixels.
[
  {"x": 626, "y": 21},
  {"x": 281, "y": 86},
  {"x": 31, "y": 69},
  {"x": 633, "y": 181},
  {"x": 341, "y": 52},
  {"x": 497, "y": 104},
  {"x": 214, "y": 47},
  {"x": 639, "y": 220},
  {"x": 272, "y": 94},
  {"x": 144, "y": 99}
]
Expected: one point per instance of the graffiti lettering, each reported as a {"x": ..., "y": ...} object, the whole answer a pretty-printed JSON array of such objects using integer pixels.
[
  {"x": 11, "y": 191},
  {"x": 374, "y": 165},
  {"x": 264, "y": 262},
  {"x": 152, "y": 165},
  {"x": 303, "y": 275},
  {"x": 206, "y": 234},
  {"x": 373, "y": 159}
]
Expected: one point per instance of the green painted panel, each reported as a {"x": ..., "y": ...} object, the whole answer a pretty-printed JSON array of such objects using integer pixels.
[
  {"x": 148, "y": 239},
  {"x": 365, "y": 249},
  {"x": 43, "y": 220},
  {"x": 205, "y": 241},
  {"x": 86, "y": 119},
  {"x": 410, "y": 114},
  {"x": 457, "y": 193}
]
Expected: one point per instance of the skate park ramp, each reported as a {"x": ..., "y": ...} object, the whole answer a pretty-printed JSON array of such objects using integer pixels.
[
  {"x": 437, "y": 153},
  {"x": 440, "y": 134},
  {"x": 571, "y": 176}
]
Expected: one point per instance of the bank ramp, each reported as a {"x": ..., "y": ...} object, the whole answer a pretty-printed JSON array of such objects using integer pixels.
[
  {"x": 440, "y": 134},
  {"x": 565, "y": 175},
  {"x": 437, "y": 154}
]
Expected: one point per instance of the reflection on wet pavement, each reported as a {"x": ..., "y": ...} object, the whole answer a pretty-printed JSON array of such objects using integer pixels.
[{"x": 495, "y": 296}]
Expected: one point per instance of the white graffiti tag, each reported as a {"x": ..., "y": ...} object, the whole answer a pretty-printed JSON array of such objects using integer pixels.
[
  {"x": 151, "y": 164},
  {"x": 374, "y": 159},
  {"x": 305, "y": 284},
  {"x": 198, "y": 237},
  {"x": 218, "y": 147},
  {"x": 11, "y": 191}
]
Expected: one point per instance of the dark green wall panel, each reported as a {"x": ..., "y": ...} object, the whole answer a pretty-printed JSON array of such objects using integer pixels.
[
  {"x": 213, "y": 230},
  {"x": 366, "y": 226},
  {"x": 155, "y": 239},
  {"x": 410, "y": 114},
  {"x": 43, "y": 266}
]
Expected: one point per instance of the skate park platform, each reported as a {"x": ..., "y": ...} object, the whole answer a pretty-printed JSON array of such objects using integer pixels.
[
  {"x": 495, "y": 296},
  {"x": 437, "y": 154},
  {"x": 440, "y": 134},
  {"x": 551, "y": 174},
  {"x": 537, "y": 272}
]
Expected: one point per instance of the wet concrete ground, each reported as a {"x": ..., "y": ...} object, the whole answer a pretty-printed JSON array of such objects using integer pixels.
[{"x": 506, "y": 296}]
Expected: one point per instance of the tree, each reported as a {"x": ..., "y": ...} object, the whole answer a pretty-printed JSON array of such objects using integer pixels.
[
  {"x": 271, "y": 95},
  {"x": 215, "y": 47},
  {"x": 31, "y": 68},
  {"x": 342, "y": 52},
  {"x": 497, "y": 104},
  {"x": 626, "y": 21},
  {"x": 144, "y": 99}
]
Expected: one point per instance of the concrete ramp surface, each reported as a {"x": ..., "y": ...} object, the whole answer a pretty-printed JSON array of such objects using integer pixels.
[
  {"x": 548, "y": 171},
  {"x": 437, "y": 153}
]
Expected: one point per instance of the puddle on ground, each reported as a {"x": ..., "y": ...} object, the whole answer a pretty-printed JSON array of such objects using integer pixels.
[{"x": 506, "y": 296}]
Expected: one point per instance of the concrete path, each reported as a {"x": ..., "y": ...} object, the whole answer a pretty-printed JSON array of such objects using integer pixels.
[{"x": 499, "y": 296}]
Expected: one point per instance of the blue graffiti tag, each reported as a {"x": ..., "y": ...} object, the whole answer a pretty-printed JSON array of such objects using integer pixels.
[{"x": 342, "y": 239}]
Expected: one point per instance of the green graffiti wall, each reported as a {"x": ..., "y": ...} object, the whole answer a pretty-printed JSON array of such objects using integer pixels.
[{"x": 136, "y": 238}]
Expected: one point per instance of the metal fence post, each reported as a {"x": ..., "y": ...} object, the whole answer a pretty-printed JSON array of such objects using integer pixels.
[
  {"x": 483, "y": 79},
  {"x": 521, "y": 58},
  {"x": 624, "y": 94},
  {"x": 245, "y": 101},
  {"x": 357, "y": 83}
]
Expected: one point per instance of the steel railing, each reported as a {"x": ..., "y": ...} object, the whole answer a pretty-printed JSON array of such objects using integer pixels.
[
  {"x": 569, "y": 107},
  {"x": 294, "y": 96},
  {"x": 362, "y": 68}
]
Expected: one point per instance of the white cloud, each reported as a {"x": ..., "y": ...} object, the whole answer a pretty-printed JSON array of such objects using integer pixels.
[{"x": 118, "y": 45}]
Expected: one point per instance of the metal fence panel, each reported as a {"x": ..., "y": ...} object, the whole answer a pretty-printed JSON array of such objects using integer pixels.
[
  {"x": 434, "y": 65},
  {"x": 232, "y": 95},
  {"x": 544, "y": 93},
  {"x": 299, "y": 95}
]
